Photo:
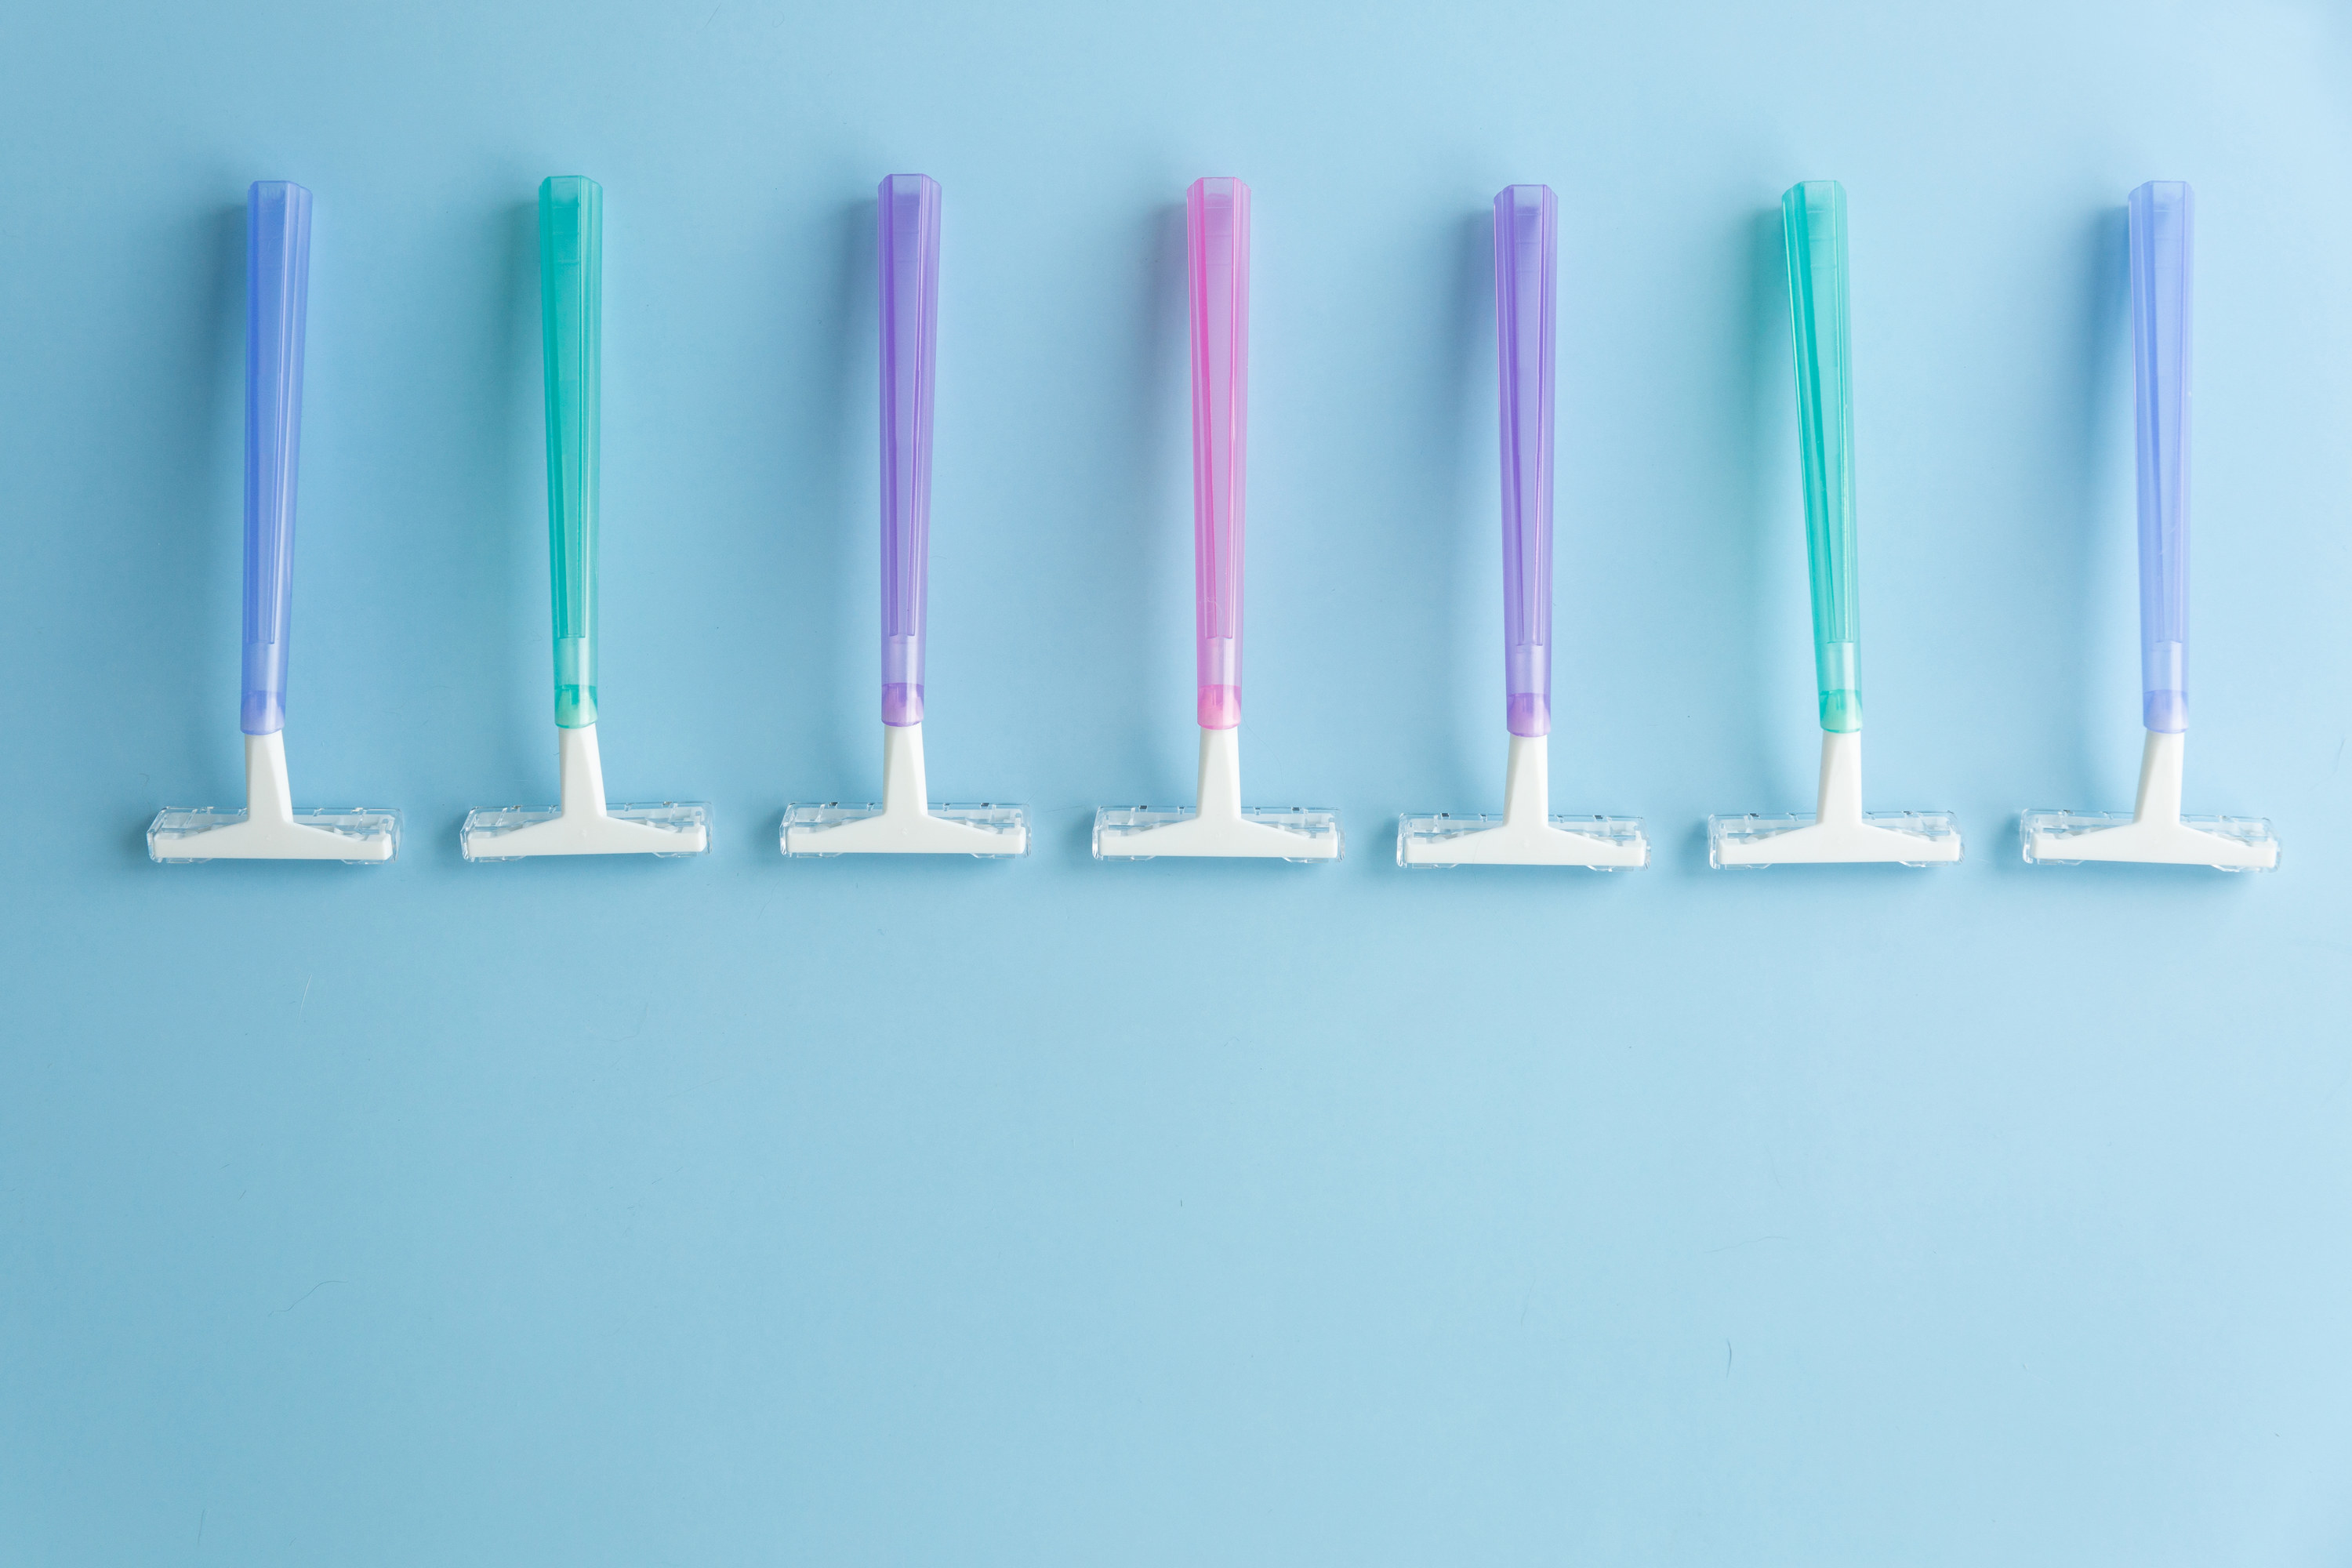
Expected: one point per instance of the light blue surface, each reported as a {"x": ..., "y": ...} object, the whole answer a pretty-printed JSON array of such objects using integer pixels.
[{"x": 740, "y": 1211}]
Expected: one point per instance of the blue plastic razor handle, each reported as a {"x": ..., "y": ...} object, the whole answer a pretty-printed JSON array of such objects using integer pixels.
[
  {"x": 276, "y": 296},
  {"x": 2163, "y": 225}
]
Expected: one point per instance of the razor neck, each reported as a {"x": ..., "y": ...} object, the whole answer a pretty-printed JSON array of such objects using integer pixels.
[{"x": 2160, "y": 778}]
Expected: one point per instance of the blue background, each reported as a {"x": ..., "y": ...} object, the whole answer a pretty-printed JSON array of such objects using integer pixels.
[{"x": 734, "y": 1210}]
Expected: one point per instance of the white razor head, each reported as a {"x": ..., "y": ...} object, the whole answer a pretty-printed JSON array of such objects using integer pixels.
[
  {"x": 190, "y": 835},
  {"x": 2073, "y": 838},
  {"x": 1594, "y": 843},
  {"x": 519, "y": 832},
  {"x": 1305, "y": 834},
  {"x": 988, "y": 831},
  {"x": 1887, "y": 838}
]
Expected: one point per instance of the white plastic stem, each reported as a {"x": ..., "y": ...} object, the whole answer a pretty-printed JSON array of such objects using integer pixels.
[
  {"x": 904, "y": 792},
  {"x": 1840, "y": 802},
  {"x": 268, "y": 796},
  {"x": 583, "y": 771},
  {"x": 1526, "y": 788},
  {"x": 1219, "y": 795},
  {"x": 2159, "y": 780}
]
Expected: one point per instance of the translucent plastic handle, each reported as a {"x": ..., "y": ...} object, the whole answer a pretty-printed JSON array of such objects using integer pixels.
[
  {"x": 1217, "y": 239},
  {"x": 570, "y": 319},
  {"x": 911, "y": 316},
  {"x": 1812, "y": 222},
  {"x": 1526, "y": 271},
  {"x": 277, "y": 300},
  {"x": 2163, "y": 245}
]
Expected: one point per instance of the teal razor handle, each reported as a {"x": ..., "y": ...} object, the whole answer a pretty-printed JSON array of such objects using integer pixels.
[
  {"x": 571, "y": 314},
  {"x": 1812, "y": 222}
]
